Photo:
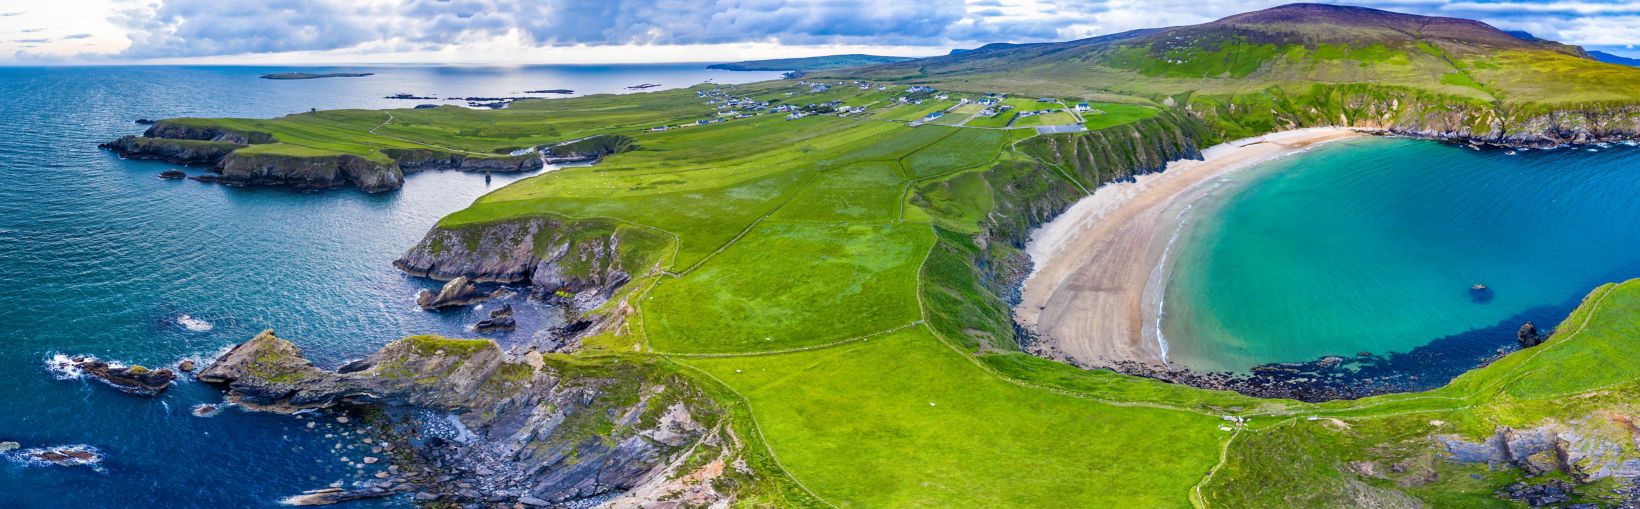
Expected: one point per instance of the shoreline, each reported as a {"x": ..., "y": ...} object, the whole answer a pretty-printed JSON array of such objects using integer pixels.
[{"x": 1094, "y": 292}]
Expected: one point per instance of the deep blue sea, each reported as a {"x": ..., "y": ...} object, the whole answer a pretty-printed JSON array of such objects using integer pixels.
[{"x": 100, "y": 257}]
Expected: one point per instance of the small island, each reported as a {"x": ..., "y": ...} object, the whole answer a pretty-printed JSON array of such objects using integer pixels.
[{"x": 313, "y": 76}]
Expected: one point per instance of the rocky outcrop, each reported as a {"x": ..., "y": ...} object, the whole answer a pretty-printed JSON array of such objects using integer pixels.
[
  {"x": 524, "y": 430},
  {"x": 133, "y": 379},
  {"x": 591, "y": 148},
  {"x": 457, "y": 292},
  {"x": 175, "y": 151},
  {"x": 176, "y": 130},
  {"x": 307, "y": 171},
  {"x": 1528, "y": 336},
  {"x": 499, "y": 320},
  {"x": 575, "y": 260},
  {"x": 414, "y": 160},
  {"x": 1416, "y": 113}
]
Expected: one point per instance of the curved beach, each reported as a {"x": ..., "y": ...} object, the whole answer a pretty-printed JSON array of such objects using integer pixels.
[{"x": 1093, "y": 295}]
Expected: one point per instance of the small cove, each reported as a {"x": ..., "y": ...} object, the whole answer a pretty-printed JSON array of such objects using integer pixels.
[{"x": 1371, "y": 246}]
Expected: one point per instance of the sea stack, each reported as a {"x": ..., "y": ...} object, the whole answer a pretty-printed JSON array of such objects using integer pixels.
[{"x": 1528, "y": 336}]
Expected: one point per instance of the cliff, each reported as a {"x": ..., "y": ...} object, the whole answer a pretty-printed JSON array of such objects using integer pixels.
[
  {"x": 583, "y": 262},
  {"x": 306, "y": 171},
  {"x": 591, "y": 148},
  {"x": 535, "y": 430},
  {"x": 256, "y": 158},
  {"x": 975, "y": 270},
  {"x": 178, "y": 151},
  {"x": 1419, "y": 114},
  {"x": 414, "y": 160}
]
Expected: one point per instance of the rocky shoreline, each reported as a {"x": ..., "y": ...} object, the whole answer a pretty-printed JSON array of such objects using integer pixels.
[
  {"x": 462, "y": 423},
  {"x": 222, "y": 152}
]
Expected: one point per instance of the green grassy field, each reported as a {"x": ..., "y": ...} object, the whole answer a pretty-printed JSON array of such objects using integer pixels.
[{"x": 1105, "y": 115}]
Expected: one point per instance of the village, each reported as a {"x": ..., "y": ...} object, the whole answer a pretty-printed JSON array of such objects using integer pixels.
[{"x": 954, "y": 109}]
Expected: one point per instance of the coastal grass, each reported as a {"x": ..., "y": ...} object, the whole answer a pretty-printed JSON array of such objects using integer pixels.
[
  {"x": 824, "y": 283},
  {"x": 1105, "y": 115},
  {"x": 903, "y": 421}
]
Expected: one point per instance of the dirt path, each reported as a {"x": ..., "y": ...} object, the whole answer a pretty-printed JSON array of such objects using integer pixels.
[{"x": 1096, "y": 277}]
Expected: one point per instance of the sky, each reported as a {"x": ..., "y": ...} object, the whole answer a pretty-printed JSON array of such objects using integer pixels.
[{"x": 36, "y": 32}]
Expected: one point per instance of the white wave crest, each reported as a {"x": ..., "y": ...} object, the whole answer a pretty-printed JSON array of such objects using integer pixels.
[{"x": 194, "y": 324}]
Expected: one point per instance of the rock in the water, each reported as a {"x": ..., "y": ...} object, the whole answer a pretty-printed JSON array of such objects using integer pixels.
[
  {"x": 329, "y": 496},
  {"x": 173, "y": 174},
  {"x": 1528, "y": 336},
  {"x": 65, "y": 455},
  {"x": 458, "y": 292},
  {"x": 132, "y": 379},
  {"x": 7, "y": 446},
  {"x": 500, "y": 323},
  {"x": 187, "y": 366}
]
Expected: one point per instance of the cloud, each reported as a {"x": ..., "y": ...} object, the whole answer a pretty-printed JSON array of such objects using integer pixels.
[
  {"x": 205, "y": 28},
  {"x": 77, "y": 36},
  {"x": 31, "y": 41},
  {"x": 10, "y": 14}
]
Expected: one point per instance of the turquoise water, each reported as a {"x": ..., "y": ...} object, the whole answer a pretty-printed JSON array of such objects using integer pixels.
[
  {"x": 1372, "y": 246},
  {"x": 97, "y": 256}
]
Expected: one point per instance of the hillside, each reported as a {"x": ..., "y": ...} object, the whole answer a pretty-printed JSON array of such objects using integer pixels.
[
  {"x": 808, "y": 63},
  {"x": 1614, "y": 59},
  {"x": 1282, "y": 54}
]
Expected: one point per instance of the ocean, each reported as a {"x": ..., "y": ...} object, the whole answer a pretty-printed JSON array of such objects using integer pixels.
[
  {"x": 1372, "y": 246},
  {"x": 99, "y": 257}
]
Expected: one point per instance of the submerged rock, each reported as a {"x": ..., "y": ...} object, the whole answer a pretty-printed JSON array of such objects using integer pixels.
[
  {"x": 173, "y": 174},
  {"x": 62, "y": 455},
  {"x": 500, "y": 319},
  {"x": 455, "y": 293}
]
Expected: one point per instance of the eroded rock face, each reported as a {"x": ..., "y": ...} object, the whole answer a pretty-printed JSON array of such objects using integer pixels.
[
  {"x": 307, "y": 172},
  {"x": 1528, "y": 336},
  {"x": 457, "y": 292},
  {"x": 575, "y": 261},
  {"x": 175, "y": 151},
  {"x": 479, "y": 426}
]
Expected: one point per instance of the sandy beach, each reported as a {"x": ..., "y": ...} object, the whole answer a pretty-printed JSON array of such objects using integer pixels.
[{"x": 1100, "y": 266}]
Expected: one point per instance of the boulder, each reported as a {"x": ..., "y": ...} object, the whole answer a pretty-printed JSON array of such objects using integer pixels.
[
  {"x": 134, "y": 379},
  {"x": 455, "y": 293},
  {"x": 1528, "y": 336},
  {"x": 187, "y": 366},
  {"x": 173, "y": 174}
]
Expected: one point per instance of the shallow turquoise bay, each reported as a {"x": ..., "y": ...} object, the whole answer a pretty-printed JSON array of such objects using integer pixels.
[{"x": 1372, "y": 245}]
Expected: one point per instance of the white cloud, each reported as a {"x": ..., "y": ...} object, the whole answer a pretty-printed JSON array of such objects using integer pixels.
[{"x": 623, "y": 30}]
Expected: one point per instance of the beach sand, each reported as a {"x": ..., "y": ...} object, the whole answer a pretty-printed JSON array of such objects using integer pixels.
[{"x": 1100, "y": 267}]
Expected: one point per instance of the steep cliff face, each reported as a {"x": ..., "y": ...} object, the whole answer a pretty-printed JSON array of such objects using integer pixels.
[
  {"x": 589, "y": 149},
  {"x": 171, "y": 129},
  {"x": 583, "y": 261},
  {"x": 974, "y": 276},
  {"x": 411, "y": 161},
  {"x": 535, "y": 430},
  {"x": 178, "y": 151},
  {"x": 307, "y": 172},
  {"x": 1415, "y": 113}
]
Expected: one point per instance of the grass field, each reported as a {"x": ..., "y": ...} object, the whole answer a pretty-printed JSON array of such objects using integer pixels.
[
  {"x": 1105, "y": 115},
  {"x": 903, "y": 421}
]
